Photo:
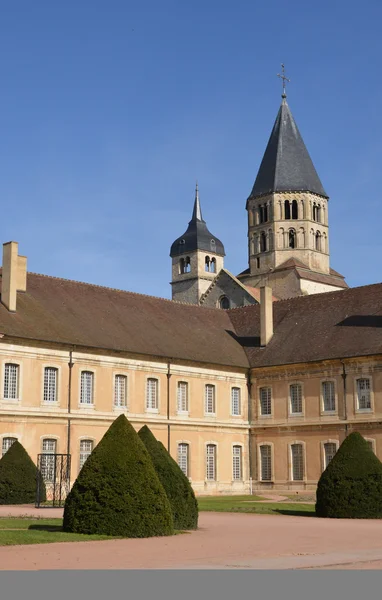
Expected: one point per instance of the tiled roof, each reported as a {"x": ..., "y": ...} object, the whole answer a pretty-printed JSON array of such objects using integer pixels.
[
  {"x": 70, "y": 312},
  {"x": 338, "y": 324}
]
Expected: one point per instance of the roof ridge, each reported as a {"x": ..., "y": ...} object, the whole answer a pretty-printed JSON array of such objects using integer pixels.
[{"x": 105, "y": 287}]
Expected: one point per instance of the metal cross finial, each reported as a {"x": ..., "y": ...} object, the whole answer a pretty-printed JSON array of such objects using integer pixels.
[{"x": 284, "y": 79}]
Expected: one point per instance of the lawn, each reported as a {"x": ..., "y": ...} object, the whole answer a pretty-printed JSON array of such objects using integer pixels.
[
  {"x": 15, "y": 531},
  {"x": 251, "y": 504}
]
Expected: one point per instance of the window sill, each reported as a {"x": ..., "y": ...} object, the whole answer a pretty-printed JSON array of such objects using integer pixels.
[
  {"x": 183, "y": 413},
  {"x": 154, "y": 411},
  {"x": 213, "y": 415},
  {"x": 296, "y": 415},
  {"x": 120, "y": 408},
  {"x": 54, "y": 404},
  {"x": 364, "y": 411},
  {"x": 86, "y": 406},
  {"x": 265, "y": 416},
  {"x": 329, "y": 413},
  {"x": 10, "y": 400}
]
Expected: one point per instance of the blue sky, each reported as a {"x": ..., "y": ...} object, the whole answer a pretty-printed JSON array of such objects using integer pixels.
[{"x": 110, "y": 110}]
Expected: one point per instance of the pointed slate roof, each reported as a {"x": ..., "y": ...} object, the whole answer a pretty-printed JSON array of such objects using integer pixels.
[
  {"x": 286, "y": 164},
  {"x": 197, "y": 236}
]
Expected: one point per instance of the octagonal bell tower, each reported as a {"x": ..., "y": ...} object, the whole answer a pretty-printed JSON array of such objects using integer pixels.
[{"x": 197, "y": 257}]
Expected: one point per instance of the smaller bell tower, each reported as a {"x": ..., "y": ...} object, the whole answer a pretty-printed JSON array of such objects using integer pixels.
[{"x": 197, "y": 257}]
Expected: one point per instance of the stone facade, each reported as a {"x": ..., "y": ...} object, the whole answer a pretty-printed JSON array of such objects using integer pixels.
[
  {"x": 226, "y": 286},
  {"x": 189, "y": 285}
]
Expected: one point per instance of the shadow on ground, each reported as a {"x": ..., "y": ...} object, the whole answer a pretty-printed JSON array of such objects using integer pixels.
[{"x": 294, "y": 513}]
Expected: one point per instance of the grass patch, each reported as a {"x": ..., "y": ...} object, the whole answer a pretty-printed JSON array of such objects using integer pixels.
[
  {"x": 21, "y": 531},
  {"x": 250, "y": 504}
]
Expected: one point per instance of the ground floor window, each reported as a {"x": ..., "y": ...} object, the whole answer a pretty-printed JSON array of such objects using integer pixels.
[
  {"x": 330, "y": 448},
  {"x": 183, "y": 458},
  {"x": 266, "y": 463},
  {"x": 48, "y": 460},
  {"x": 211, "y": 462},
  {"x": 297, "y": 462},
  {"x": 237, "y": 463}
]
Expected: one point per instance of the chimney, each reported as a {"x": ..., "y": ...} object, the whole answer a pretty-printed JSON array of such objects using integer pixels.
[
  {"x": 14, "y": 275},
  {"x": 266, "y": 315}
]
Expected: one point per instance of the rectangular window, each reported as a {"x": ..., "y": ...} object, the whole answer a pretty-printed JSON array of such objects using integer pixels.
[
  {"x": 48, "y": 461},
  {"x": 182, "y": 396},
  {"x": 265, "y": 401},
  {"x": 120, "y": 390},
  {"x": 50, "y": 384},
  {"x": 295, "y": 391},
  {"x": 328, "y": 396},
  {"x": 183, "y": 458},
  {"x": 11, "y": 381},
  {"x": 363, "y": 394},
  {"x": 211, "y": 462},
  {"x": 210, "y": 399},
  {"x": 87, "y": 384},
  {"x": 266, "y": 463},
  {"x": 86, "y": 448},
  {"x": 235, "y": 401},
  {"x": 237, "y": 463},
  {"x": 297, "y": 462},
  {"x": 6, "y": 444},
  {"x": 330, "y": 449},
  {"x": 152, "y": 394}
]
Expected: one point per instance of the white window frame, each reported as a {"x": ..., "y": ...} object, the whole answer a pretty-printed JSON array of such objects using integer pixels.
[
  {"x": 56, "y": 440},
  {"x": 241, "y": 465},
  {"x": 260, "y": 471},
  {"x": 188, "y": 465},
  {"x": 323, "y": 411},
  {"x": 215, "y": 479},
  {"x": 86, "y": 404},
  {"x": 19, "y": 382},
  {"x": 265, "y": 387},
  {"x": 373, "y": 443},
  {"x": 81, "y": 440},
  {"x": 296, "y": 414},
  {"x": 304, "y": 478},
  {"x": 8, "y": 436},
  {"x": 239, "y": 413},
  {"x": 147, "y": 408},
  {"x": 323, "y": 455},
  {"x": 212, "y": 413},
  {"x": 357, "y": 408},
  {"x": 179, "y": 410},
  {"x": 57, "y": 371},
  {"x": 120, "y": 407}
]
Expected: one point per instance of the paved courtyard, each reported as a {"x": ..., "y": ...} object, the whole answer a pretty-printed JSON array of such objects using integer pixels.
[{"x": 223, "y": 541}]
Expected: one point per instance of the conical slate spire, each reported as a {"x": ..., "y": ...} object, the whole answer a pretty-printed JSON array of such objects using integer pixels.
[
  {"x": 197, "y": 236},
  {"x": 197, "y": 212},
  {"x": 286, "y": 164}
]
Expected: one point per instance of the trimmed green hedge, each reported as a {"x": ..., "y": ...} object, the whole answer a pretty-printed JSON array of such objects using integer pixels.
[
  {"x": 351, "y": 485},
  {"x": 176, "y": 485},
  {"x": 117, "y": 491},
  {"x": 18, "y": 477}
]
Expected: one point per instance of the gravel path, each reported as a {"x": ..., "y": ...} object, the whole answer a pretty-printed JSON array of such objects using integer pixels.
[{"x": 223, "y": 541}]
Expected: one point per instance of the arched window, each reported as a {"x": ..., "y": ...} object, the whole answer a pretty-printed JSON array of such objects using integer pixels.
[
  {"x": 187, "y": 265},
  {"x": 294, "y": 210},
  {"x": 224, "y": 302},
  {"x": 292, "y": 238},
  {"x": 183, "y": 457},
  {"x": 270, "y": 239},
  {"x": 182, "y": 266},
  {"x": 263, "y": 242},
  {"x": 86, "y": 448},
  {"x": 287, "y": 209},
  {"x": 318, "y": 241},
  {"x": 258, "y": 262},
  {"x": 207, "y": 264},
  {"x": 213, "y": 265},
  {"x": 6, "y": 444}
]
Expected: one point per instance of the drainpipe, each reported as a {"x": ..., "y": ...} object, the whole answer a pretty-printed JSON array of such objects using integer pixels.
[
  {"x": 345, "y": 415},
  {"x": 168, "y": 404},
  {"x": 70, "y": 365},
  {"x": 250, "y": 461}
]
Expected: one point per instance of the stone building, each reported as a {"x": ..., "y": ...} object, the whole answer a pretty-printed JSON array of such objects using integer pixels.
[
  {"x": 257, "y": 396},
  {"x": 288, "y": 233}
]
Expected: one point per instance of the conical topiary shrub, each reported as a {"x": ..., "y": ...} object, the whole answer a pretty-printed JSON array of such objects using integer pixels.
[
  {"x": 351, "y": 485},
  {"x": 117, "y": 491},
  {"x": 18, "y": 477},
  {"x": 176, "y": 485}
]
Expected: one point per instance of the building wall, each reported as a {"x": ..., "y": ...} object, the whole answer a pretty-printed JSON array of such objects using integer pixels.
[
  {"x": 224, "y": 285},
  {"x": 189, "y": 287},
  {"x": 30, "y": 419},
  {"x": 314, "y": 426}
]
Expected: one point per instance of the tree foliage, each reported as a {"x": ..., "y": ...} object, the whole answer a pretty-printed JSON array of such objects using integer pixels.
[
  {"x": 18, "y": 477},
  {"x": 117, "y": 491},
  {"x": 351, "y": 485},
  {"x": 176, "y": 485}
]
